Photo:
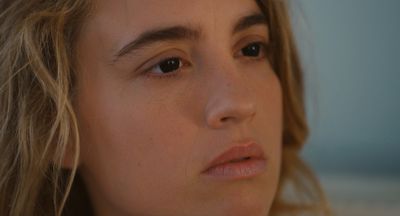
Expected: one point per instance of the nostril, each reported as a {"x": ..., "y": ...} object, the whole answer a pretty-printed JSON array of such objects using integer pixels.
[{"x": 225, "y": 119}]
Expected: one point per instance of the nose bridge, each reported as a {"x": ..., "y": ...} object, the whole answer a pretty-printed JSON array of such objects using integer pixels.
[{"x": 230, "y": 99}]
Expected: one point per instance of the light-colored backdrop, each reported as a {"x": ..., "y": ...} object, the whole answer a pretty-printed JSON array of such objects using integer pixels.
[{"x": 351, "y": 53}]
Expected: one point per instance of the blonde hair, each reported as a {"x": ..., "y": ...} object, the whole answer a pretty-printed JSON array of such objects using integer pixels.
[
  {"x": 38, "y": 123},
  {"x": 296, "y": 177}
]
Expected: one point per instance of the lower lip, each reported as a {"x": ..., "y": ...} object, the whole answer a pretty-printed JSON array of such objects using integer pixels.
[{"x": 237, "y": 170}]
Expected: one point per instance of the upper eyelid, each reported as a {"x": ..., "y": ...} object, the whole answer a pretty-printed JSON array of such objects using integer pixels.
[
  {"x": 164, "y": 54},
  {"x": 248, "y": 40}
]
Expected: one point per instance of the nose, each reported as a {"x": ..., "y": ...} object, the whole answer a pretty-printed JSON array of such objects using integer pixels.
[{"x": 230, "y": 101}]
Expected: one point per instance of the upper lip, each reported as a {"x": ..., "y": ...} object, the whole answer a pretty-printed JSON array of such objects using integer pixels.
[{"x": 249, "y": 149}]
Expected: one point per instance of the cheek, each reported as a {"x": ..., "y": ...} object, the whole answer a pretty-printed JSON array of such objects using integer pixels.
[
  {"x": 130, "y": 151},
  {"x": 274, "y": 129},
  {"x": 267, "y": 91},
  {"x": 273, "y": 107},
  {"x": 268, "y": 124}
]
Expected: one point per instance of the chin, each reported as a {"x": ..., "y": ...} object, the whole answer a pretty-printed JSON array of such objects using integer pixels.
[
  {"x": 243, "y": 204},
  {"x": 248, "y": 209}
]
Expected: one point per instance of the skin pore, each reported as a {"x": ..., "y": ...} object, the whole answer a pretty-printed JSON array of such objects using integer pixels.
[{"x": 154, "y": 111}]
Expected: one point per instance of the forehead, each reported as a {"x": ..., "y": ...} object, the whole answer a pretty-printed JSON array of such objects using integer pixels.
[{"x": 143, "y": 14}]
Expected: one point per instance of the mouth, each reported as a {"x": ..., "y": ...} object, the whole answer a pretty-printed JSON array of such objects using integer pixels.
[{"x": 238, "y": 162}]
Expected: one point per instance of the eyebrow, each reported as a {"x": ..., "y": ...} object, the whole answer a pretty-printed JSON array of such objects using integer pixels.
[{"x": 179, "y": 32}]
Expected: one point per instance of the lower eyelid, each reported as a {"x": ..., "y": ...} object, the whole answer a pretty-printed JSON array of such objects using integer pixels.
[{"x": 150, "y": 75}]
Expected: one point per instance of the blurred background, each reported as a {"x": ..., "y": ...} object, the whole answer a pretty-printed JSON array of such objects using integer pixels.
[{"x": 351, "y": 54}]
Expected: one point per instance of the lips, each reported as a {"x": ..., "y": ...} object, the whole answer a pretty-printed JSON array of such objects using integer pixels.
[{"x": 240, "y": 161}]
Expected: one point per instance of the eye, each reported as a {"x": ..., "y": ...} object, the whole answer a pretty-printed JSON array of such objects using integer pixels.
[
  {"x": 254, "y": 50},
  {"x": 168, "y": 65}
]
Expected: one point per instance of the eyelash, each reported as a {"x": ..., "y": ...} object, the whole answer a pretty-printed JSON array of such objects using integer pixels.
[{"x": 264, "y": 48}]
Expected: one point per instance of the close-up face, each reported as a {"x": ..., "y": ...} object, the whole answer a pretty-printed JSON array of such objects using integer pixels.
[{"x": 163, "y": 89}]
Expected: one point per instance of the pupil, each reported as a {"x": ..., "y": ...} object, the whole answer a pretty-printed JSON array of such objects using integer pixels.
[
  {"x": 169, "y": 65},
  {"x": 251, "y": 50}
]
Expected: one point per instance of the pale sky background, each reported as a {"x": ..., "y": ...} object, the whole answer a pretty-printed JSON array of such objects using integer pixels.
[{"x": 351, "y": 51}]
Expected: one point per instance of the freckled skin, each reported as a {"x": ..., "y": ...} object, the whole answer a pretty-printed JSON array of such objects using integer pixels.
[{"x": 146, "y": 140}]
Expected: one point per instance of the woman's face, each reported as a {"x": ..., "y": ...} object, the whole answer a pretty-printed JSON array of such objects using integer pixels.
[{"x": 165, "y": 87}]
